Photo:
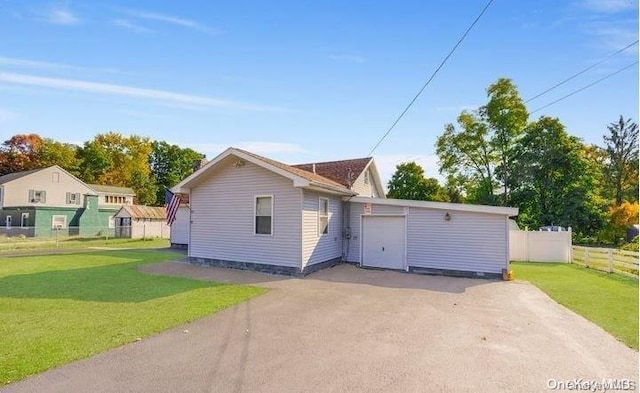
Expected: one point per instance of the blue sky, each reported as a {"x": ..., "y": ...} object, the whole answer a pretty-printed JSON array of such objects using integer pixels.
[{"x": 303, "y": 81}]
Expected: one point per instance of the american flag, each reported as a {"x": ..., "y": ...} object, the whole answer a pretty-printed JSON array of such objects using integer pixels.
[{"x": 171, "y": 203}]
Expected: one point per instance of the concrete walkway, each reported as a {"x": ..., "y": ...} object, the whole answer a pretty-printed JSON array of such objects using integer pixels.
[{"x": 347, "y": 329}]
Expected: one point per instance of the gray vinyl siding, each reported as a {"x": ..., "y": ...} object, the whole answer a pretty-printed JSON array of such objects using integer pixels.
[
  {"x": 475, "y": 242},
  {"x": 319, "y": 248},
  {"x": 365, "y": 190},
  {"x": 222, "y": 215},
  {"x": 356, "y": 211}
]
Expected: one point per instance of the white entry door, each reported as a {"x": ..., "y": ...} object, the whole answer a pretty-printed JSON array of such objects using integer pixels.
[{"x": 383, "y": 241}]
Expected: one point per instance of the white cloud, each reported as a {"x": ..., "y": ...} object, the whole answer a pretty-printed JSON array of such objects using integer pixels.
[
  {"x": 348, "y": 58},
  {"x": 23, "y": 63},
  {"x": 171, "y": 19},
  {"x": 259, "y": 147},
  {"x": 386, "y": 164},
  {"x": 609, "y": 6},
  {"x": 125, "y": 24},
  {"x": 61, "y": 16},
  {"x": 162, "y": 96}
]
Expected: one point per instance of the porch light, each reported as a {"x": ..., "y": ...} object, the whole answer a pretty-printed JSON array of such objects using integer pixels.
[{"x": 447, "y": 217}]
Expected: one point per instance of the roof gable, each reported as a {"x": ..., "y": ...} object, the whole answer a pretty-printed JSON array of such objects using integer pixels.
[
  {"x": 344, "y": 172},
  {"x": 300, "y": 177}
]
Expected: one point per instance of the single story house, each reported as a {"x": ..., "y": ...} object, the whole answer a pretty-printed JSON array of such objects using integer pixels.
[
  {"x": 139, "y": 222},
  {"x": 46, "y": 201},
  {"x": 248, "y": 211}
]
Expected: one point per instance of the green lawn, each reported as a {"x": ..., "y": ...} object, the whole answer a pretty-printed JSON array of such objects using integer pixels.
[
  {"x": 13, "y": 246},
  {"x": 608, "y": 300},
  {"x": 59, "y": 308}
]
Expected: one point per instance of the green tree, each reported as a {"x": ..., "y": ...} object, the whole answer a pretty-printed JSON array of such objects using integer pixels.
[
  {"x": 556, "y": 183},
  {"x": 622, "y": 166},
  {"x": 118, "y": 160},
  {"x": 409, "y": 182},
  {"x": 64, "y": 155},
  {"x": 481, "y": 151},
  {"x": 170, "y": 164}
]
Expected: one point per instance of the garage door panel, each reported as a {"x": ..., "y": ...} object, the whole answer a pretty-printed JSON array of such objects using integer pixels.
[{"x": 383, "y": 241}]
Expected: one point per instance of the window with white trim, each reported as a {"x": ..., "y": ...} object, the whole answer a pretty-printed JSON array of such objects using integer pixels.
[
  {"x": 264, "y": 215},
  {"x": 37, "y": 196},
  {"x": 24, "y": 220},
  {"x": 366, "y": 177},
  {"x": 323, "y": 216},
  {"x": 58, "y": 222}
]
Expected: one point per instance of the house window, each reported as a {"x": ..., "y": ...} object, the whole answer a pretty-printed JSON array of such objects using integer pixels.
[
  {"x": 264, "y": 215},
  {"x": 55, "y": 177},
  {"x": 37, "y": 196},
  {"x": 366, "y": 177},
  {"x": 323, "y": 216},
  {"x": 7, "y": 222},
  {"x": 24, "y": 220},
  {"x": 58, "y": 222},
  {"x": 73, "y": 198}
]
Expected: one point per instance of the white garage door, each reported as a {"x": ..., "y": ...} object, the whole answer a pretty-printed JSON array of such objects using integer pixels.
[{"x": 383, "y": 241}]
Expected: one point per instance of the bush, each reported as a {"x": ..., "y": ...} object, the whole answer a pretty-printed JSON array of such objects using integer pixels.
[{"x": 631, "y": 246}]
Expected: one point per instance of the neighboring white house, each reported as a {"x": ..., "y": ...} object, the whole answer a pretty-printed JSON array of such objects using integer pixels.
[{"x": 247, "y": 211}]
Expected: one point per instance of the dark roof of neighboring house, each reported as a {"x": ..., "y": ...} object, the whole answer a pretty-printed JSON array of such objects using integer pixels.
[
  {"x": 146, "y": 212},
  {"x": 112, "y": 189},
  {"x": 314, "y": 177},
  {"x": 344, "y": 172},
  {"x": 16, "y": 175}
]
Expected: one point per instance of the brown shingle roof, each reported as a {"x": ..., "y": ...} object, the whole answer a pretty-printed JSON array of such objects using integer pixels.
[
  {"x": 313, "y": 177},
  {"x": 146, "y": 212},
  {"x": 344, "y": 172}
]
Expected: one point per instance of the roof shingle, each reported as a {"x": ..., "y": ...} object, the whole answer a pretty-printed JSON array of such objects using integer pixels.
[{"x": 344, "y": 172}]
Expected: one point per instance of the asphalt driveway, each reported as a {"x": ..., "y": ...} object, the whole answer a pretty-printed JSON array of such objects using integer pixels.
[{"x": 352, "y": 330}]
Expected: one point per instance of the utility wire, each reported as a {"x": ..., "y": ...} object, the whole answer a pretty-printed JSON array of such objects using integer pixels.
[
  {"x": 583, "y": 71},
  {"x": 431, "y": 77},
  {"x": 584, "y": 87}
]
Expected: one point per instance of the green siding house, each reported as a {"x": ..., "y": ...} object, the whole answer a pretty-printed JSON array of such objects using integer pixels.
[{"x": 51, "y": 201}]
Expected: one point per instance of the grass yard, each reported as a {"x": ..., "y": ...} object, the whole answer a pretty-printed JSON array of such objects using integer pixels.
[
  {"x": 17, "y": 246},
  {"x": 608, "y": 300},
  {"x": 59, "y": 308}
]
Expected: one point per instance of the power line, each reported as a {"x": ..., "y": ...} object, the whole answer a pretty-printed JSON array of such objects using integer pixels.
[
  {"x": 431, "y": 77},
  {"x": 583, "y": 71},
  {"x": 585, "y": 87}
]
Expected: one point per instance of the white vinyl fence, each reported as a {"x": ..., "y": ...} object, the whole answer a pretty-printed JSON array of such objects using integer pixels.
[
  {"x": 607, "y": 260},
  {"x": 540, "y": 246}
]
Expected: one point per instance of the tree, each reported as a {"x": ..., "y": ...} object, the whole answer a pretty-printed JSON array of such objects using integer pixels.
[
  {"x": 622, "y": 166},
  {"x": 619, "y": 219},
  {"x": 556, "y": 184},
  {"x": 118, "y": 160},
  {"x": 20, "y": 153},
  {"x": 64, "y": 155},
  {"x": 409, "y": 182},
  {"x": 170, "y": 164},
  {"x": 481, "y": 151}
]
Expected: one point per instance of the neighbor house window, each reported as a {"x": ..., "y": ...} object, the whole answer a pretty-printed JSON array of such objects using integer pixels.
[
  {"x": 73, "y": 198},
  {"x": 37, "y": 196},
  {"x": 24, "y": 220},
  {"x": 58, "y": 222},
  {"x": 264, "y": 215},
  {"x": 115, "y": 199},
  {"x": 323, "y": 216}
]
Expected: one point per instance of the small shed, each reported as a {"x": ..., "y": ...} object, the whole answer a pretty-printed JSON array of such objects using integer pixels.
[{"x": 139, "y": 221}]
